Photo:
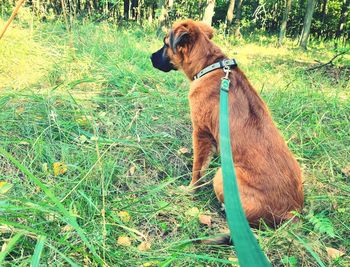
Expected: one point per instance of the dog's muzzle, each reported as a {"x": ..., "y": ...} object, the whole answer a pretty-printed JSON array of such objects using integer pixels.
[{"x": 161, "y": 61}]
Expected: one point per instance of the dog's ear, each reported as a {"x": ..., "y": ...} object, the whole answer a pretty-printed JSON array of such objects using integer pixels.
[
  {"x": 178, "y": 39},
  {"x": 206, "y": 29},
  {"x": 186, "y": 32}
]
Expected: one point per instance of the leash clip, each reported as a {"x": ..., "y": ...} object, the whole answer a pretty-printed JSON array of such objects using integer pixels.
[
  {"x": 227, "y": 71},
  {"x": 225, "y": 82}
]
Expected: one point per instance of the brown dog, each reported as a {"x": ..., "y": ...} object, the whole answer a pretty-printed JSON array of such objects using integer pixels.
[{"x": 269, "y": 177}]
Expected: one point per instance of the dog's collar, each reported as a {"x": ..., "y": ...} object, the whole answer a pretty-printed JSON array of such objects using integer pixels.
[{"x": 221, "y": 64}]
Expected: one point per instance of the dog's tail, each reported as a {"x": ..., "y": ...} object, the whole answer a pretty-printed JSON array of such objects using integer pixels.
[{"x": 223, "y": 239}]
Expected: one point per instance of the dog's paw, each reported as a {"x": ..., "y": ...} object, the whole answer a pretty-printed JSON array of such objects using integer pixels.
[{"x": 188, "y": 189}]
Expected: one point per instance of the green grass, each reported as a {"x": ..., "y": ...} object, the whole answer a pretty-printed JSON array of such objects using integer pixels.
[{"x": 100, "y": 108}]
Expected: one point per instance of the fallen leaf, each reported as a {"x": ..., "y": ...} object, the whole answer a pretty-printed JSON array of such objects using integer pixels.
[
  {"x": 341, "y": 210},
  {"x": 346, "y": 171},
  {"x": 6, "y": 229},
  {"x": 205, "y": 219},
  {"x": 59, "y": 168},
  {"x": 94, "y": 138},
  {"x": 124, "y": 241},
  {"x": 74, "y": 211},
  {"x": 5, "y": 187},
  {"x": 192, "y": 212},
  {"x": 132, "y": 170},
  {"x": 67, "y": 228},
  {"x": 83, "y": 120},
  {"x": 144, "y": 246},
  {"x": 82, "y": 139},
  {"x": 124, "y": 216},
  {"x": 183, "y": 150},
  {"x": 50, "y": 217},
  {"x": 154, "y": 118},
  {"x": 151, "y": 264},
  {"x": 234, "y": 260},
  {"x": 183, "y": 188},
  {"x": 23, "y": 143},
  {"x": 20, "y": 110},
  {"x": 334, "y": 253}
]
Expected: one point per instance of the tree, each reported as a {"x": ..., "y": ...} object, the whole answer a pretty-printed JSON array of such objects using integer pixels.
[
  {"x": 209, "y": 12},
  {"x": 343, "y": 18},
  {"x": 126, "y": 9},
  {"x": 134, "y": 9},
  {"x": 324, "y": 10},
  {"x": 310, "y": 7},
  {"x": 323, "y": 16},
  {"x": 330, "y": 18},
  {"x": 237, "y": 19},
  {"x": 284, "y": 21},
  {"x": 229, "y": 14},
  {"x": 164, "y": 6}
]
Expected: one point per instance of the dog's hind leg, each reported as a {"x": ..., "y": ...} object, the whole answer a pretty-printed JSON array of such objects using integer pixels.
[
  {"x": 250, "y": 207},
  {"x": 249, "y": 197},
  {"x": 203, "y": 150}
]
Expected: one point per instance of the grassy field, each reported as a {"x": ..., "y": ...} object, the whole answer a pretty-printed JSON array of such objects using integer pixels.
[{"x": 95, "y": 143}]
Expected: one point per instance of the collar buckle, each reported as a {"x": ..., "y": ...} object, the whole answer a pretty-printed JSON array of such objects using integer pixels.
[
  {"x": 227, "y": 71},
  {"x": 225, "y": 64}
]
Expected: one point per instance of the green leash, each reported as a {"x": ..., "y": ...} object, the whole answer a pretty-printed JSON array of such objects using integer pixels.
[{"x": 248, "y": 250}]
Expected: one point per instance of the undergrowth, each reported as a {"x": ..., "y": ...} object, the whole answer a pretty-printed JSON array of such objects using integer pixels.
[{"x": 95, "y": 143}]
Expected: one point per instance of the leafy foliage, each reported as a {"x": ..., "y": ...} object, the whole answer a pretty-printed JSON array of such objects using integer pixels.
[
  {"x": 322, "y": 224},
  {"x": 257, "y": 15}
]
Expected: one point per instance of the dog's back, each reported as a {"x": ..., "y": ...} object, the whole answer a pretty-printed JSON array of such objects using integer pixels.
[{"x": 269, "y": 177}]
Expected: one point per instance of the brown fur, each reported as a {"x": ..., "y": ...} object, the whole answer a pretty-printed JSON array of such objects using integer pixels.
[{"x": 269, "y": 177}]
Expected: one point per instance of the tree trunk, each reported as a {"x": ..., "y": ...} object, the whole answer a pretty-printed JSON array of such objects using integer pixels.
[
  {"x": 164, "y": 6},
  {"x": 230, "y": 10},
  {"x": 95, "y": 3},
  {"x": 134, "y": 9},
  {"x": 237, "y": 20},
  {"x": 126, "y": 9},
  {"x": 79, "y": 7},
  {"x": 284, "y": 22},
  {"x": 209, "y": 12},
  {"x": 153, "y": 14},
  {"x": 324, "y": 10},
  {"x": 140, "y": 11},
  {"x": 310, "y": 7},
  {"x": 229, "y": 15},
  {"x": 323, "y": 16},
  {"x": 343, "y": 18},
  {"x": 150, "y": 14}
]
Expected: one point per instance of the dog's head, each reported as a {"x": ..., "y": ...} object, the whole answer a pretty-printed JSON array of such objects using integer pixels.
[{"x": 182, "y": 41}]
